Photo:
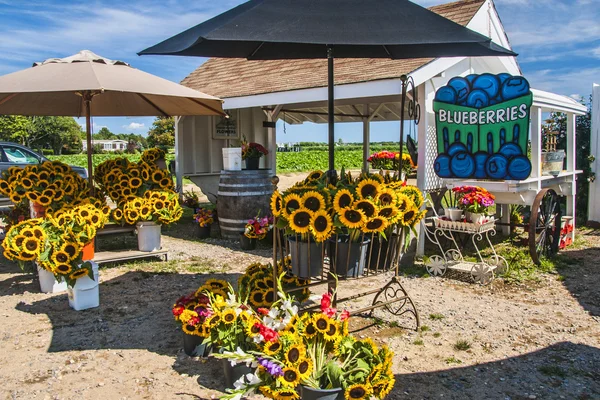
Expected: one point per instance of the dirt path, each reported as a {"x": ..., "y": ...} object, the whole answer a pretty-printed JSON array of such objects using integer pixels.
[{"x": 521, "y": 342}]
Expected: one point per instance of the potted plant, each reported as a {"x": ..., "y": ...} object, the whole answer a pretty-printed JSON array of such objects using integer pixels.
[
  {"x": 450, "y": 204},
  {"x": 256, "y": 229},
  {"x": 204, "y": 217},
  {"x": 552, "y": 159},
  {"x": 192, "y": 311},
  {"x": 475, "y": 201},
  {"x": 251, "y": 153}
]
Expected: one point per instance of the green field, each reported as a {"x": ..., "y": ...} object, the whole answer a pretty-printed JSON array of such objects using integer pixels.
[{"x": 310, "y": 158}]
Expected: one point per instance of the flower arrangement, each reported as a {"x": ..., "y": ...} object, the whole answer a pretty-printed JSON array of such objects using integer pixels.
[
  {"x": 313, "y": 350},
  {"x": 122, "y": 180},
  {"x": 160, "y": 206},
  {"x": 257, "y": 227},
  {"x": 204, "y": 217},
  {"x": 150, "y": 156},
  {"x": 257, "y": 286},
  {"x": 367, "y": 205},
  {"x": 191, "y": 200},
  {"x": 389, "y": 160},
  {"x": 50, "y": 184},
  {"x": 56, "y": 241},
  {"x": 193, "y": 310},
  {"x": 474, "y": 199},
  {"x": 252, "y": 150}
]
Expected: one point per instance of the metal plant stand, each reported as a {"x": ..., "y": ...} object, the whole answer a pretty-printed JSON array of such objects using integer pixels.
[{"x": 482, "y": 271}]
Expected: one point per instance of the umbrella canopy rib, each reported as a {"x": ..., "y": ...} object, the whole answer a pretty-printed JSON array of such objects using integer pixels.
[{"x": 147, "y": 100}]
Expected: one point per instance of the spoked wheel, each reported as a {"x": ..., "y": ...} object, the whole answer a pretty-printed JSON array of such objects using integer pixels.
[
  {"x": 436, "y": 266},
  {"x": 482, "y": 273},
  {"x": 544, "y": 225}
]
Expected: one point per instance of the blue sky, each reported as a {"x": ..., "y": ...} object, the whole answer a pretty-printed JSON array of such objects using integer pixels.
[{"x": 558, "y": 42}]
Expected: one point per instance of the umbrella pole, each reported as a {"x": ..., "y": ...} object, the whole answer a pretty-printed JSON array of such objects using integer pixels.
[
  {"x": 330, "y": 111},
  {"x": 87, "y": 99},
  {"x": 404, "y": 80}
]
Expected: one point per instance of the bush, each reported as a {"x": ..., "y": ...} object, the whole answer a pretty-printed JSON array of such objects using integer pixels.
[
  {"x": 98, "y": 149},
  {"x": 47, "y": 152}
]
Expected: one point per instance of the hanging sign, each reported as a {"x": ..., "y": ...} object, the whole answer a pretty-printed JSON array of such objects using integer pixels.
[
  {"x": 226, "y": 128},
  {"x": 482, "y": 124}
]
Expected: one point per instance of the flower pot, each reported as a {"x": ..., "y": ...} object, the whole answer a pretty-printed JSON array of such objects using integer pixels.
[
  {"x": 88, "y": 251},
  {"x": 308, "y": 393},
  {"x": 193, "y": 346},
  {"x": 476, "y": 218},
  {"x": 86, "y": 292},
  {"x": 453, "y": 213},
  {"x": 48, "y": 283},
  {"x": 232, "y": 159},
  {"x": 233, "y": 373},
  {"x": 552, "y": 162},
  {"x": 246, "y": 243},
  {"x": 148, "y": 236},
  {"x": 252, "y": 163},
  {"x": 382, "y": 253},
  {"x": 204, "y": 232},
  {"x": 348, "y": 258},
  {"x": 307, "y": 258}
]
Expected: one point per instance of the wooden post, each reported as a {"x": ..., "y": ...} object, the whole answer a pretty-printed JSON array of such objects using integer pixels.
[
  {"x": 536, "y": 144},
  {"x": 366, "y": 138}
]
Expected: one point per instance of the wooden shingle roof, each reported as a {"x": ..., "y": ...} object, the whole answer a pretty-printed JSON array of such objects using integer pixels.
[{"x": 236, "y": 77}]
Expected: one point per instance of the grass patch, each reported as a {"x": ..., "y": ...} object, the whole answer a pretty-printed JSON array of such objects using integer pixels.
[
  {"x": 462, "y": 345},
  {"x": 552, "y": 370},
  {"x": 418, "y": 342},
  {"x": 436, "y": 317},
  {"x": 424, "y": 328},
  {"x": 452, "y": 360},
  {"x": 437, "y": 334}
]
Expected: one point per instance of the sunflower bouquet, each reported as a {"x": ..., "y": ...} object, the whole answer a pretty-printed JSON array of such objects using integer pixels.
[
  {"x": 150, "y": 156},
  {"x": 50, "y": 184},
  {"x": 257, "y": 227},
  {"x": 389, "y": 160},
  {"x": 193, "y": 310},
  {"x": 160, "y": 206},
  {"x": 257, "y": 286}
]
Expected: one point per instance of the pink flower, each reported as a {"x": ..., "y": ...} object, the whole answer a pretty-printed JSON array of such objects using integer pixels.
[{"x": 344, "y": 315}]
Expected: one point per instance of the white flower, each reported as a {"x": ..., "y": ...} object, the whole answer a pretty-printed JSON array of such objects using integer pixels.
[{"x": 240, "y": 383}]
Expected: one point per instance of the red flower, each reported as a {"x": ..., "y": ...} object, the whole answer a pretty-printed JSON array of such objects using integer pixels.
[
  {"x": 193, "y": 321},
  {"x": 325, "y": 301},
  {"x": 330, "y": 312},
  {"x": 178, "y": 310},
  {"x": 263, "y": 311},
  {"x": 344, "y": 315},
  {"x": 267, "y": 333},
  {"x": 203, "y": 299}
]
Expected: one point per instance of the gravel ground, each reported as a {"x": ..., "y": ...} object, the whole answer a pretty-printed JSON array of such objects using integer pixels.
[{"x": 539, "y": 340}]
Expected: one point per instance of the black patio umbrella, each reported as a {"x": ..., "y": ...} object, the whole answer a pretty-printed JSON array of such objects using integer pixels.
[{"x": 308, "y": 29}]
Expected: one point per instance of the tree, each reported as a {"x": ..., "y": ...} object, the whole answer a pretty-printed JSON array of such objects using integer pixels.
[
  {"x": 104, "y": 134},
  {"x": 16, "y": 128},
  {"x": 162, "y": 132},
  {"x": 58, "y": 133}
]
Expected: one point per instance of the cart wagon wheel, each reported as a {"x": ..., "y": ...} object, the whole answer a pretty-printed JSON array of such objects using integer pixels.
[
  {"x": 453, "y": 255},
  {"x": 544, "y": 225},
  {"x": 482, "y": 273},
  {"x": 436, "y": 265}
]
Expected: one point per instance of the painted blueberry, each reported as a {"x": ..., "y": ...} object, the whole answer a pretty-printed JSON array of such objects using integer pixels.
[
  {"x": 510, "y": 150},
  {"x": 462, "y": 87},
  {"x": 441, "y": 166},
  {"x": 496, "y": 166},
  {"x": 488, "y": 83},
  {"x": 480, "y": 159},
  {"x": 462, "y": 165},
  {"x": 455, "y": 148},
  {"x": 446, "y": 94},
  {"x": 519, "y": 167},
  {"x": 503, "y": 77},
  {"x": 478, "y": 99},
  {"x": 471, "y": 78},
  {"x": 515, "y": 86}
]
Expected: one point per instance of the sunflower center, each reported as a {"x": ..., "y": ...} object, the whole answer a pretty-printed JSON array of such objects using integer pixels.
[
  {"x": 62, "y": 257},
  {"x": 312, "y": 203},
  {"x": 386, "y": 212},
  {"x": 293, "y": 355},
  {"x": 290, "y": 375},
  {"x": 321, "y": 224},
  {"x": 292, "y": 205},
  {"x": 332, "y": 330},
  {"x": 353, "y": 216},
  {"x": 229, "y": 317},
  {"x": 367, "y": 208},
  {"x": 345, "y": 200},
  {"x": 31, "y": 245},
  {"x": 274, "y": 346},
  {"x": 63, "y": 267},
  {"x": 385, "y": 199},
  {"x": 302, "y": 219},
  {"x": 310, "y": 329},
  {"x": 368, "y": 190},
  {"x": 357, "y": 393},
  {"x": 408, "y": 215},
  {"x": 321, "y": 323},
  {"x": 303, "y": 367},
  {"x": 269, "y": 296},
  {"x": 375, "y": 223}
]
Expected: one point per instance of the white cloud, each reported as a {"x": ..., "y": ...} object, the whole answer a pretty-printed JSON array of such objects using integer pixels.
[{"x": 134, "y": 126}]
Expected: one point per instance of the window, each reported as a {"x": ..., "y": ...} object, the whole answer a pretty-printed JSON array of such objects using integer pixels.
[{"x": 18, "y": 155}]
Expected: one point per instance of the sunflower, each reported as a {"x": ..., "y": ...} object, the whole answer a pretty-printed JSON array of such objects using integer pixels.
[
  {"x": 321, "y": 225},
  {"x": 117, "y": 214},
  {"x": 390, "y": 212},
  {"x": 252, "y": 329},
  {"x": 315, "y": 175},
  {"x": 358, "y": 391},
  {"x": 213, "y": 320},
  {"x": 80, "y": 273},
  {"x": 368, "y": 188},
  {"x": 293, "y": 354},
  {"x": 44, "y": 200},
  {"x": 414, "y": 194},
  {"x": 27, "y": 183},
  {"x": 32, "y": 245},
  {"x": 314, "y": 201},
  {"x": 352, "y": 218},
  {"x": 304, "y": 367},
  {"x": 256, "y": 298},
  {"x": 63, "y": 268},
  {"x": 38, "y": 232},
  {"x": 342, "y": 199},
  {"x": 410, "y": 216},
  {"x": 290, "y": 377},
  {"x": 60, "y": 257},
  {"x": 145, "y": 175},
  {"x": 135, "y": 182},
  {"x": 403, "y": 202},
  {"x": 17, "y": 242},
  {"x": 228, "y": 316},
  {"x": 189, "y": 329},
  {"x": 269, "y": 297},
  {"x": 321, "y": 322},
  {"x": 291, "y": 202},
  {"x": 276, "y": 203},
  {"x": 386, "y": 197},
  {"x": 145, "y": 211},
  {"x": 25, "y": 256},
  {"x": 367, "y": 206},
  {"x": 375, "y": 224},
  {"x": 285, "y": 394},
  {"x": 333, "y": 331},
  {"x": 300, "y": 220},
  {"x": 71, "y": 249},
  {"x": 165, "y": 183},
  {"x": 157, "y": 176},
  {"x": 272, "y": 348},
  {"x": 158, "y": 205}
]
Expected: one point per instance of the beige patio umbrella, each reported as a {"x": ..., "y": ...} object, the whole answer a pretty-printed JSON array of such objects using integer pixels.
[{"x": 91, "y": 85}]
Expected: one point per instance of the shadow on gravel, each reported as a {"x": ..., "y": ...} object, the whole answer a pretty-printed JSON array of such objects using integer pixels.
[
  {"x": 134, "y": 313},
  {"x": 20, "y": 282},
  {"x": 562, "y": 371}
]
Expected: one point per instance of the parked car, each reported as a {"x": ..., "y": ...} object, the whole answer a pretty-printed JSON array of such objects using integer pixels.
[{"x": 16, "y": 155}]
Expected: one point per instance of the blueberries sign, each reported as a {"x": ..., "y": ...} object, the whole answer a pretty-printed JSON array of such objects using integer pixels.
[{"x": 482, "y": 124}]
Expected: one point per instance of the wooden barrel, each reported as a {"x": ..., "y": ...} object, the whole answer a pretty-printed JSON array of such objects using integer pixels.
[{"x": 241, "y": 195}]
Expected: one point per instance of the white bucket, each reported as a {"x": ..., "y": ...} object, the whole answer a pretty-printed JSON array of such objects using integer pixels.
[
  {"x": 86, "y": 292},
  {"x": 48, "y": 283},
  {"x": 232, "y": 159},
  {"x": 148, "y": 236}
]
